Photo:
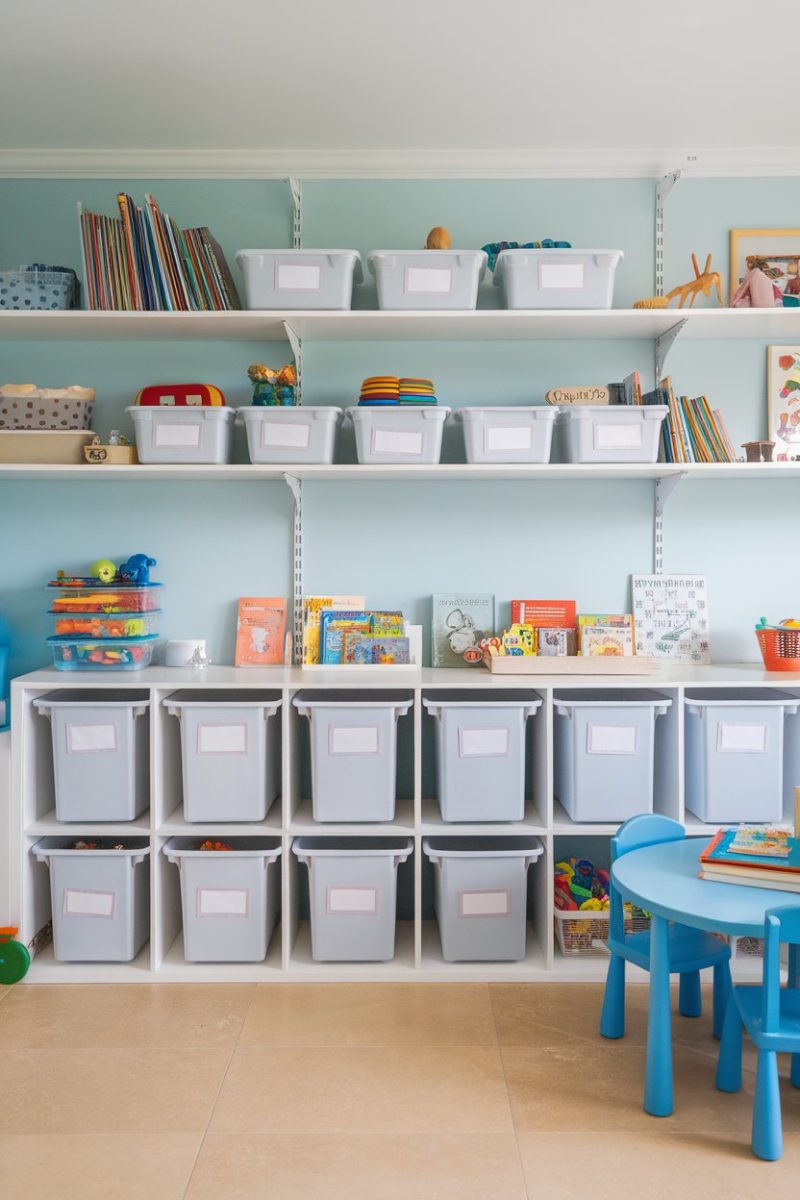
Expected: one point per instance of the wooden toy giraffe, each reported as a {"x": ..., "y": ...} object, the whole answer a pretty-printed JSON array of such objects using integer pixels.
[{"x": 703, "y": 284}]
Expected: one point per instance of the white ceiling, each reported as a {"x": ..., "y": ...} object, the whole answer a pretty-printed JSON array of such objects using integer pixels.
[{"x": 344, "y": 85}]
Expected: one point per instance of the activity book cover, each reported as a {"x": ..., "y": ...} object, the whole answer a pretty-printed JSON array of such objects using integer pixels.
[
  {"x": 260, "y": 631},
  {"x": 460, "y": 622}
]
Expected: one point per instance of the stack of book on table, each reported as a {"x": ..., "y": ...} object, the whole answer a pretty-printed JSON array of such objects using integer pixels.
[{"x": 753, "y": 856}]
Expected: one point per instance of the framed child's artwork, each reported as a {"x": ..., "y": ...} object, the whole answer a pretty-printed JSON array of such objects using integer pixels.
[
  {"x": 783, "y": 402},
  {"x": 670, "y": 617},
  {"x": 776, "y": 252}
]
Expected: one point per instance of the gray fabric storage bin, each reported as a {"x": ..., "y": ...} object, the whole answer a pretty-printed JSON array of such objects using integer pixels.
[
  {"x": 230, "y": 898},
  {"x": 230, "y": 750},
  {"x": 101, "y": 747},
  {"x": 481, "y": 896},
  {"x": 480, "y": 753},
  {"x": 605, "y": 752},
  {"x": 734, "y": 753},
  {"x": 352, "y": 886},
  {"x": 353, "y": 752},
  {"x": 100, "y": 898}
]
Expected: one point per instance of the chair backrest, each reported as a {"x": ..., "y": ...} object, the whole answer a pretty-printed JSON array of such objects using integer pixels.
[
  {"x": 780, "y": 925},
  {"x": 648, "y": 829}
]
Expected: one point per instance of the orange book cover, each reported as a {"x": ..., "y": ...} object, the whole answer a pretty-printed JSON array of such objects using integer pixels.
[
  {"x": 544, "y": 614},
  {"x": 260, "y": 630}
]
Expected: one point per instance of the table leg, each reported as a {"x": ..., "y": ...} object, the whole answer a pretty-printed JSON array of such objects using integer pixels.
[{"x": 658, "y": 1080}]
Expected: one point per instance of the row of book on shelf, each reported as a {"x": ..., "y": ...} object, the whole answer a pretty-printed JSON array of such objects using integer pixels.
[
  {"x": 142, "y": 261},
  {"x": 669, "y": 620}
]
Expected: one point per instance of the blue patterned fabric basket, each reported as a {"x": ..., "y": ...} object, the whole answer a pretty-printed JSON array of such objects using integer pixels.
[{"x": 38, "y": 287}]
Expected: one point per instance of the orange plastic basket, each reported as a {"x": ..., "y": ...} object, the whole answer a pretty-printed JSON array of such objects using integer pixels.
[{"x": 780, "y": 649}]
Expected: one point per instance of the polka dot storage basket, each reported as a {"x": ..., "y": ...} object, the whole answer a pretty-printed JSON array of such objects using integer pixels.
[
  {"x": 38, "y": 287},
  {"x": 24, "y": 406}
]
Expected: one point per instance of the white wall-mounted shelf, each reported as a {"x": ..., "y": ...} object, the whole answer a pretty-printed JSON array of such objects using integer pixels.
[
  {"x": 419, "y": 955},
  {"x": 375, "y": 325}
]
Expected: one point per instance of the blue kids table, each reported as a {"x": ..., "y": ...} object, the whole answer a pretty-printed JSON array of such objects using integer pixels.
[{"x": 663, "y": 880}]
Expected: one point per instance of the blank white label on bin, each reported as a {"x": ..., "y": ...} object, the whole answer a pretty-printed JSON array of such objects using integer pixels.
[
  {"x": 285, "y": 433},
  {"x": 222, "y": 739},
  {"x": 357, "y": 901},
  {"x": 482, "y": 743},
  {"x": 91, "y": 739},
  {"x": 494, "y": 903},
  {"x": 560, "y": 275},
  {"x": 223, "y": 902},
  {"x": 736, "y": 738},
  {"x": 353, "y": 739},
  {"x": 298, "y": 277},
  {"x": 396, "y": 441},
  {"x": 80, "y": 903},
  {"x": 508, "y": 437},
  {"x": 176, "y": 435},
  {"x": 618, "y": 437},
  {"x": 430, "y": 280},
  {"x": 612, "y": 739}
]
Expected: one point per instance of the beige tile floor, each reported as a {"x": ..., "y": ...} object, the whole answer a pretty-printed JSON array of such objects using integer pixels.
[{"x": 363, "y": 1092}]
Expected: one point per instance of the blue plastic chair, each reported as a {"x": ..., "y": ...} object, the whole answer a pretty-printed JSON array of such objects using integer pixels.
[
  {"x": 771, "y": 1015},
  {"x": 690, "y": 950}
]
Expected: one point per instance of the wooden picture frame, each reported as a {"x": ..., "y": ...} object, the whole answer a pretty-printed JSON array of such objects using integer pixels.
[{"x": 770, "y": 244}]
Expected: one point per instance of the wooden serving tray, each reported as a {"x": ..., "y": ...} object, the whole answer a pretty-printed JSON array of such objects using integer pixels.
[{"x": 510, "y": 664}]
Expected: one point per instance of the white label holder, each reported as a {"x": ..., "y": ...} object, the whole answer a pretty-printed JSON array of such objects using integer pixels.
[
  {"x": 485, "y": 903},
  {"x": 297, "y": 277},
  {"x": 292, "y": 434},
  {"x": 79, "y": 902},
  {"x": 223, "y": 902},
  {"x": 619, "y": 437},
  {"x": 353, "y": 739},
  {"x": 92, "y": 739},
  {"x": 397, "y": 441},
  {"x": 734, "y": 737},
  {"x": 171, "y": 436},
  {"x": 612, "y": 739},
  {"x": 222, "y": 739},
  {"x": 561, "y": 275},
  {"x": 352, "y": 901},
  {"x": 437, "y": 281},
  {"x": 483, "y": 743}
]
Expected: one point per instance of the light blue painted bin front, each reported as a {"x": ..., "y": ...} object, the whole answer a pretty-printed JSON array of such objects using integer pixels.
[
  {"x": 100, "y": 898},
  {"x": 230, "y": 898},
  {"x": 735, "y": 753},
  {"x": 605, "y": 752}
]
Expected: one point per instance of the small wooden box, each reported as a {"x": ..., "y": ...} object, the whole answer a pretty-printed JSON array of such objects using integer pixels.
[{"x": 115, "y": 456}]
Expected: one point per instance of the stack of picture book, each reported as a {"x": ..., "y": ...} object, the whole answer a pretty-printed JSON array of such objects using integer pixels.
[
  {"x": 338, "y": 631},
  {"x": 142, "y": 261},
  {"x": 691, "y": 432},
  {"x": 753, "y": 856}
]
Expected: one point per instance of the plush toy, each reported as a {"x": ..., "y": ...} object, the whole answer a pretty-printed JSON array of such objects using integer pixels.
[
  {"x": 136, "y": 570},
  {"x": 756, "y": 291},
  {"x": 104, "y": 570}
]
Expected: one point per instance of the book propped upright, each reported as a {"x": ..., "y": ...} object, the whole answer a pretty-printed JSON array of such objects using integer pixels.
[{"x": 260, "y": 630}]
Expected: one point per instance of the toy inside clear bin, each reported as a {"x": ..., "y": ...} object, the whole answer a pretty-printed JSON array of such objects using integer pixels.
[
  {"x": 105, "y": 625},
  {"x": 109, "y": 654},
  {"x": 90, "y": 597}
]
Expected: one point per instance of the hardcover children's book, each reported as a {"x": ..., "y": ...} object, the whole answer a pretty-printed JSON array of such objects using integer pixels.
[
  {"x": 334, "y": 623},
  {"x": 544, "y": 614},
  {"x": 460, "y": 621},
  {"x": 260, "y": 631},
  {"x": 312, "y": 608},
  {"x": 606, "y": 634}
]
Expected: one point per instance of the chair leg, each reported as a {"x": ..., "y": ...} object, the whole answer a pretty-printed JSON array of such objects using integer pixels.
[
  {"x": 722, "y": 991},
  {"x": 767, "y": 1141},
  {"x": 612, "y": 1016},
  {"x": 729, "y": 1064},
  {"x": 690, "y": 1000},
  {"x": 794, "y": 1073}
]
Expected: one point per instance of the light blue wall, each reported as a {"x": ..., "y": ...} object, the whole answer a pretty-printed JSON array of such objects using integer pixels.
[{"x": 398, "y": 544}]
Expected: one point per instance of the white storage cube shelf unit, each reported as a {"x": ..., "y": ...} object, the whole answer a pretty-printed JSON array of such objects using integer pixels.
[{"x": 417, "y": 815}]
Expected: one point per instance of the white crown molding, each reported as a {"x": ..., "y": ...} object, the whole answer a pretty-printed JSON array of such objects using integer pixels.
[{"x": 395, "y": 164}]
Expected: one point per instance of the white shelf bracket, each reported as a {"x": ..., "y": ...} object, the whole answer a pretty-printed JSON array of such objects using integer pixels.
[
  {"x": 663, "y": 189},
  {"x": 296, "y": 343},
  {"x": 296, "y": 189},
  {"x": 665, "y": 486},
  {"x": 295, "y": 486},
  {"x": 664, "y": 343}
]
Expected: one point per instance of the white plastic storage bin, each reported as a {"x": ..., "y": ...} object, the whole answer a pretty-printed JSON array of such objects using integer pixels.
[
  {"x": 100, "y": 898},
  {"x": 290, "y": 435},
  {"x": 182, "y": 435},
  {"x": 605, "y": 752},
  {"x": 735, "y": 753},
  {"x": 480, "y": 753},
  {"x": 230, "y": 751},
  {"x": 101, "y": 746},
  {"x": 230, "y": 898},
  {"x": 352, "y": 886},
  {"x": 507, "y": 435},
  {"x": 425, "y": 279},
  {"x": 295, "y": 279},
  {"x": 603, "y": 433},
  {"x": 398, "y": 433},
  {"x": 481, "y": 896},
  {"x": 557, "y": 278},
  {"x": 353, "y": 753}
]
